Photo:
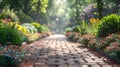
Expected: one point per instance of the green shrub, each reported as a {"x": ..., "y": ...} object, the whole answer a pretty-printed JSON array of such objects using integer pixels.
[
  {"x": 2, "y": 25},
  {"x": 81, "y": 27},
  {"x": 71, "y": 36},
  {"x": 12, "y": 55},
  {"x": 8, "y": 13},
  {"x": 91, "y": 30},
  {"x": 10, "y": 36},
  {"x": 69, "y": 29},
  {"x": 83, "y": 41},
  {"x": 6, "y": 60},
  {"x": 76, "y": 29},
  {"x": 33, "y": 37},
  {"x": 43, "y": 29},
  {"x": 109, "y": 24},
  {"x": 112, "y": 55},
  {"x": 118, "y": 53},
  {"x": 24, "y": 38},
  {"x": 18, "y": 27},
  {"x": 23, "y": 18},
  {"x": 36, "y": 25}
]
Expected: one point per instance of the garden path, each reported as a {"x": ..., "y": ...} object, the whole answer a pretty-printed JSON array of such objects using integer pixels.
[{"x": 56, "y": 51}]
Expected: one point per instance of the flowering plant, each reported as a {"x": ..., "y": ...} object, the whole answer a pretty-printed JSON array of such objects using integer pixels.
[
  {"x": 83, "y": 41},
  {"x": 16, "y": 53},
  {"x": 114, "y": 46},
  {"x": 94, "y": 20}
]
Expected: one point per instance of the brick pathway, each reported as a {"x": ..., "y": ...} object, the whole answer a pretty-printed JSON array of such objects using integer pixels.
[{"x": 56, "y": 51}]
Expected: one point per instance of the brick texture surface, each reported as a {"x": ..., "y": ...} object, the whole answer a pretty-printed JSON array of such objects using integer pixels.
[{"x": 56, "y": 51}]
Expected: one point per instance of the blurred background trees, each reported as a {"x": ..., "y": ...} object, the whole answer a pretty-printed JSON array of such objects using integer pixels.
[{"x": 57, "y": 14}]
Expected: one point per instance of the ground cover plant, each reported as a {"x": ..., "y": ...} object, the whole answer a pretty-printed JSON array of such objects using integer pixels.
[{"x": 104, "y": 36}]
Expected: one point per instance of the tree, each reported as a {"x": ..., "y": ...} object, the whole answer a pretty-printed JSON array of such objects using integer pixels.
[
  {"x": 38, "y": 7},
  {"x": 116, "y": 6},
  {"x": 100, "y": 7},
  {"x": 37, "y": 10},
  {"x": 77, "y": 11},
  {"x": 26, "y": 6}
]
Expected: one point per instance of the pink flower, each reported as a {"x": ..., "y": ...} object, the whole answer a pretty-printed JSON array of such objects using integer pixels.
[{"x": 1, "y": 53}]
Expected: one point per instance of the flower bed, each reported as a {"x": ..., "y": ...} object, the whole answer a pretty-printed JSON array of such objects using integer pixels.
[
  {"x": 109, "y": 46},
  {"x": 14, "y": 36},
  {"x": 12, "y": 55},
  {"x": 102, "y": 35}
]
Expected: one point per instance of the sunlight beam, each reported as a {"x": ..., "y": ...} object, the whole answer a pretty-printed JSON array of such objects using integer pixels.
[
  {"x": 64, "y": 0},
  {"x": 58, "y": 1}
]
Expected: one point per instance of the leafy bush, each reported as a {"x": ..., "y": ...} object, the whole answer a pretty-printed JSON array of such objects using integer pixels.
[
  {"x": 36, "y": 25},
  {"x": 22, "y": 29},
  {"x": 118, "y": 53},
  {"x": 81, "y": 27},
  {"x": 68, "y": 34},
  {"x": 71, "y": 36},
  {"x": 11, "y": 55},
  {"x": 18, "y": 27},
  {"x": 33, "y": 37},
  {"x": 83, "y": 41},
  {"x": 10, "y": 36},
  {"x": 43, "y": 29},
  {"x": 23, "y": 18},
  {"x": 91, "y": 30},
  {"x": 92, "y": 43},
  {"x": 2, "y": 25},
  {"x": 24, "y": 38},
  {"x": 112, "y": 55},
  {"x": 109, "y": 24},
  {"x": 12, "y": 25},
  {"x": 69, "y": 29},
  {"x": 30, "y": 28},
  {"x": 101, "y": 44},
  {"x": 6, "y": 61},
  {"x": 76, "y": 29},
  {"x": 10, "y": 14}
]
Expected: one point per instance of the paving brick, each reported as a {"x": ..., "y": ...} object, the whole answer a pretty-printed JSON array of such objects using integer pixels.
[
  {"x": 63, "y": 65},
  {"x": 94, "y": 65},
  {"x": 108, "y": 66},
  {"x": 56, "y": 51},
  {"x": 54, "y": 61},
  {"x": 73, "y": 65},
  {"x": 52, "y": 65},
  {"x": 40, "y": 65},
  {"x": 91, "y": 60},
  {"x": 84, "y": 66}
]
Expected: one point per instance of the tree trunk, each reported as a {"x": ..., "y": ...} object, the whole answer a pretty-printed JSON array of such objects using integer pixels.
[
  {"x": 38, "y": 9},
  {"x": 100, "y": 8},
  {"x": 77, "y": 11},
  {"x": 26, "y": 7},
  {"x": 116, "y": 7}
]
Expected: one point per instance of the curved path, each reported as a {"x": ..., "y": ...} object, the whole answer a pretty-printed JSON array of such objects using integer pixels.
[{"x": 56, "y": 51}]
